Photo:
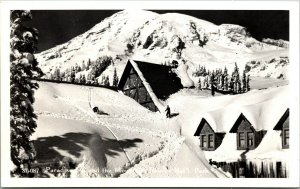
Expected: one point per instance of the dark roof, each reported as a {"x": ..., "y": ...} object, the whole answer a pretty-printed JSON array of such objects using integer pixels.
[
  {"x": 162, "y": 81},
  {"x": 285, "y": 116},
  {"x": 125, "y": 75},
  {"x": 238, "y": 122},
  {"x": 200, "y": 127}
]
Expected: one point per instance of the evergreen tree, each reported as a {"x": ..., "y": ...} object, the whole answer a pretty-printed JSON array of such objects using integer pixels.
[
  {"x": 115, "y": 78},
  {"x": 239, "y": 87},
  {"x": 244, "y": 82},
  {"x": 82, "y": 79},
  {"x": 77, "y": 68},
  {"x": 101, "y": 65},
  {"x": 204, "y": 71},
  {"x": 236, "y": 79},
  {"x": 107, "y": 81},
  {"x": 248, "y": 83},
  {"x": 88, "y": 64},
  {"x": 73, "y": 75},
  {"x": 222, "y": 82},
  {"x": 199, "y": 84},
  {"x": 57, "y": 74},
  {"x": 212, "y": 84},
  {"x": 23, "y": 68},
  {"x": 226, "y": 83},
  {"x": 225, "y": 72},
  {"x": 231, "y": 85}
]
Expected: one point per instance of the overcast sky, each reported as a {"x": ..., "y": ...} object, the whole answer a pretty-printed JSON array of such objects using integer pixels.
[{"x": 59, "y": 26}]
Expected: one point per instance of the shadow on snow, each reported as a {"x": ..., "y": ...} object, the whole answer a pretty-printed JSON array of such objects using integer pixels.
[{"x": 75, "y": 143}]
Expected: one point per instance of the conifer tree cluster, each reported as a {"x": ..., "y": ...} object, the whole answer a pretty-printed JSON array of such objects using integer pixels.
[
  {"x": 223, "y": 82},
  {"x": 95, "y": 68},
  {"x": 23, "y": 68}
]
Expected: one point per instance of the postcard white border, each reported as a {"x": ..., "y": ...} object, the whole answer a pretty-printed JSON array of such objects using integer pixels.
[{"x": 292, "y": 6}]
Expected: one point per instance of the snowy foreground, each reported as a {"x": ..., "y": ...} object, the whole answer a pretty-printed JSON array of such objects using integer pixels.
[{"x": 130, "y": 141}]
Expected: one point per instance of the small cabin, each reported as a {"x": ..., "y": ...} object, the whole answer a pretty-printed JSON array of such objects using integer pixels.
[
  {"x": 145, "y": 82},
  {"x": 247, "y": 138},
  {"x": 283, "y": 125},
  {"x": 209, "y": 139}
]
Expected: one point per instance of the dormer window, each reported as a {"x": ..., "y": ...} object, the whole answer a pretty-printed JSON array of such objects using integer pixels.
[
  {"x": 209, "y": 140},
  {"x": 241, "y": 140},
  {"x": 247, "y": 137},
  {"x": 283, "y": 125}
]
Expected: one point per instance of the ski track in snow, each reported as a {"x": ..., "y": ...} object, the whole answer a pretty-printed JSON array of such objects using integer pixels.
[
  {"x": 125, "y": 122},
  {"x": 91, "y": 117}
]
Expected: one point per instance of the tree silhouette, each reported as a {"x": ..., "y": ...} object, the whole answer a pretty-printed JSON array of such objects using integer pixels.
[{"x": 23, "y": 68}]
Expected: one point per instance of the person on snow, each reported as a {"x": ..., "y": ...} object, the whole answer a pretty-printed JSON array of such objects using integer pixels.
[
  {"x": 168, "y": 111},
  {"x": 96, "y": 109}
]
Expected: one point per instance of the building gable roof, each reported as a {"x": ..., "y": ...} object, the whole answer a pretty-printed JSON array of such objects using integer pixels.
[
  {"x": 125, "y": 75},
  {"x": 285, "y": 116},
  {"x": 238, "y": 122},
  {"x": 200, "y": 127},
  {"x": 159, "y": 81}
]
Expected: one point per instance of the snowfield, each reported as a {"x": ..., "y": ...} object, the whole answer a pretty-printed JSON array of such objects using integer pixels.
[{"x": 129, "y": 141}]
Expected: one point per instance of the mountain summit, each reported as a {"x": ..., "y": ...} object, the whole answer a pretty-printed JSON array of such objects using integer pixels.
[{"x": 163, "y": 38}]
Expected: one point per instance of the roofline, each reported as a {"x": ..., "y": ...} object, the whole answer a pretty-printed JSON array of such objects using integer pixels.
[
  {"x": 149, "y": 62},
  {"x": 282, "y": 119},
  {"x": 133, "y": 64},
  {"x": 200, "y": 127},
  {"x": 122, "y": 79},
  {"x": 129, "y": 63},
  {"x": 234, "y": 127}
]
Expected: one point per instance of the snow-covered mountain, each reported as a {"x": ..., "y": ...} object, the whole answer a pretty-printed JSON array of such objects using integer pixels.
[
  {"x": 162, "y": 38},
  {"x": 277, "y": 42}
]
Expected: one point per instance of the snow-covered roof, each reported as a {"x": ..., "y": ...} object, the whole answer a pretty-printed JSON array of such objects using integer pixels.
[
  {"x": 265, "y": 115},
  {"x": 156, "y": 78},
  {"x": 262, "y": 115}
]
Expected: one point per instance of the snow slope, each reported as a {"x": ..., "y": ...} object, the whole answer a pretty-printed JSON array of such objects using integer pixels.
[
  {"x": 118, "y": 143},
  {"x": 162, "y": 38}
]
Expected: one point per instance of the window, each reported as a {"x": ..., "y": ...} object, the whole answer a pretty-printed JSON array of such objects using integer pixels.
[
  {"x": 210, "y": 140},
  {"x": 241, "y": 140},
  {"x": 286, "y": 137},
  {"x": 203, "y": 141},
  {"x": 250, "y": 139}
]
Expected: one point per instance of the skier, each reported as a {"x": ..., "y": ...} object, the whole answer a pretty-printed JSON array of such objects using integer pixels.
[
  {"x": 96, "y": 109},
  {"x": 168, "y": 111}
]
